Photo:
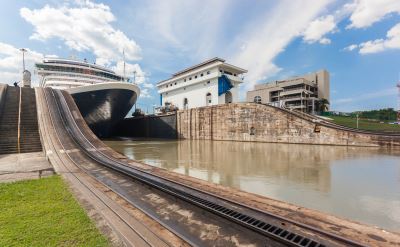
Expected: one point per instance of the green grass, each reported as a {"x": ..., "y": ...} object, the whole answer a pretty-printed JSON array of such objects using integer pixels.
[
  {"x": 365, "y": 124},
  {"x": 44, "y": 213}
]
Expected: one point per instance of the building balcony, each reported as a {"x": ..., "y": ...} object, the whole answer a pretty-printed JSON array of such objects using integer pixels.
[{"x": 296, "y": 106}]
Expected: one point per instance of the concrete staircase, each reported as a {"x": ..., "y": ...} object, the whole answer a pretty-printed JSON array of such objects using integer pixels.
[
  {"x": 9, "y": 122},
  {"x": 29, "y": 130}
]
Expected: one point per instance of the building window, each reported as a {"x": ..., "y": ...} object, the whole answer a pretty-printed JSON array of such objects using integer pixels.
[
  {"x": 257, "y": 99},
  {"x": 208, "y": 99}
]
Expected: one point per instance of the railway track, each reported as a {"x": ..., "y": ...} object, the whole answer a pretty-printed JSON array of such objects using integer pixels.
[
  {"x": 271, "y": 226},
  {"x": 66, "y": 145}
]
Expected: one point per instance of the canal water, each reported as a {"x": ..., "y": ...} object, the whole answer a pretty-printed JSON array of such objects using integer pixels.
[{"x": 361, "y": 184}]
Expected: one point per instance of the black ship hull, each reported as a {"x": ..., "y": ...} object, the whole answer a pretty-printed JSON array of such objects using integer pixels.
[{"x": 102, "y": 108}]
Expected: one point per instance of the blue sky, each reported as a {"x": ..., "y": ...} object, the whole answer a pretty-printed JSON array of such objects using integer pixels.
[{"x": 357, "y": 41}]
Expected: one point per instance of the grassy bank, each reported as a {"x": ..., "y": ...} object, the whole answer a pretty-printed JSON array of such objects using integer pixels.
[
  {"x": 44, "y": 213},
  {"x": 364, "y": 124}
]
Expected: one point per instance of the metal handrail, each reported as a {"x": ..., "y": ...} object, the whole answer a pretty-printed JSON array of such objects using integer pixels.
[{"x": 19, "y": 120}]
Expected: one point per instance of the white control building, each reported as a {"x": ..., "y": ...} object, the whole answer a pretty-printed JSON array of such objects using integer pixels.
[{"x": 209, "y": 83}]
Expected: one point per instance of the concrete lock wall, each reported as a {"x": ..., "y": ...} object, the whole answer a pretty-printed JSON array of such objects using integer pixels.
[
  {"x": 261, "y": 123},
  {"x": 148, "y": 126}
]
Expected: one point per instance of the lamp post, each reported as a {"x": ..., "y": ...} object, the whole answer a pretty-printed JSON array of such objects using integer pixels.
[{"x": 23, "y": 50}]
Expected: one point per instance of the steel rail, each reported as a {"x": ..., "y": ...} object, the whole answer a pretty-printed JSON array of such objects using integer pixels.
[
  {"x": 77, "y": 165},
  {"x": 163, "y": 184},
  {"x": 121, "y": 195}
]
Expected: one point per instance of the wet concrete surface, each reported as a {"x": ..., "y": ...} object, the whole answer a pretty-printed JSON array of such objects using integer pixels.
[{"x": 15, "y": 167}]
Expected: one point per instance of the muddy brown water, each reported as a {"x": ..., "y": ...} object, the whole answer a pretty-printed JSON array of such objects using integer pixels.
[{"x": 360, "y": 184}]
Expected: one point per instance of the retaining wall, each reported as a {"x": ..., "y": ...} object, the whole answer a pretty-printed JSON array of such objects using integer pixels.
[
  {"x": 3, "y": 90},
  {"x": 148, "y": 126},
  {"x": 261, "y": 123}
]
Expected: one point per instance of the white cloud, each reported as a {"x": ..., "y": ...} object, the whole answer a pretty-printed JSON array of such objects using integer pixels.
[
  {"x": 350, "y": 47},
  {"x": 139, "y": 77},
  {"x": 267, "y": 37},
  {"x": 11, "y": 63},
  {"x": 190, "y": 26},
  {"x": 367, "y": 12},
  {"x": 318, "y": 28},
  {"x": 392, "y": 41},
  {"x": 83, "y": 26}
]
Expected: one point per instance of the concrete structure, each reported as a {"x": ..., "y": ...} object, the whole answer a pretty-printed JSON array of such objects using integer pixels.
[
  {"x": 263, "y": 123},
  {"x": 15, "y": 167},
  {"x": 26, "y": 79},
  {"x": 302, "y": 93},
  {"x": 209, "y": 83},
  {"x": 150, "y": 126}
]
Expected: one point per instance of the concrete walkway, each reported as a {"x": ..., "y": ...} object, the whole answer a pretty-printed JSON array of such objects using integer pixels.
[{"x": 14, "y": 167}]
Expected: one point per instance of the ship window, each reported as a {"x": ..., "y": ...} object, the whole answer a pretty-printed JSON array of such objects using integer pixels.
[
  {"x": 190, "y": 78},
  {"x": 208, "y": 82},
  {"x": 184, "y": 80},
  {"x": 201, "y": 74},
  {"x": 175, "y": 83},
  {"x": 195, "y": 77},
  {"x": 208, "y": 72}
]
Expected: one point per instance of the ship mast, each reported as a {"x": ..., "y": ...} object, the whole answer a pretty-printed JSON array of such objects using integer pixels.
[{"x": 123, "y": 54}]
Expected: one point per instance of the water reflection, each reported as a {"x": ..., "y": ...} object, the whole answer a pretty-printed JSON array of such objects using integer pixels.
[{"x": 362, "y": 184}]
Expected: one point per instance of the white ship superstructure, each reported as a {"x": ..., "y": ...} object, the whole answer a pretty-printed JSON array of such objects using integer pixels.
[
  {"x": 102, "y": 96},
  {"x": 64, "y": 73}
]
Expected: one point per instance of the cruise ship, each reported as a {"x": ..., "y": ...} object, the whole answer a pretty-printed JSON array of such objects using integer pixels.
[{"x": 103, "y": 97}]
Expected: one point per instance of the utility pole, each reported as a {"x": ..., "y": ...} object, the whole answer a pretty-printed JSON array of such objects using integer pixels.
[
  {"x": 23, "y": 50},
  {"x": 357, "y": 119},
  {"x": 398, "y": 101}
]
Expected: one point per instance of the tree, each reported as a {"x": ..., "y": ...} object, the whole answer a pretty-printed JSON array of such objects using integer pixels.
[{"x": 323, "y": 105}]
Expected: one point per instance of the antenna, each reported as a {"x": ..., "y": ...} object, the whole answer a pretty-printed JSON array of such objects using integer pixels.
[
  {"x": 123, "y": 54},
  {"x": 398, "y": 101}
]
